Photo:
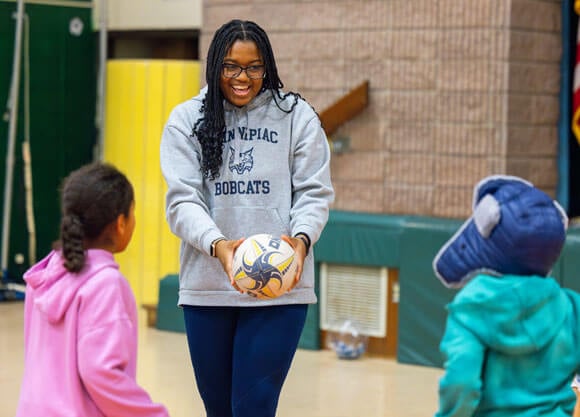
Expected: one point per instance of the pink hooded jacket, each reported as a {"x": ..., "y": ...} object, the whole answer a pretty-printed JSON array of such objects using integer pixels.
[{"x": 80, "y": 337}]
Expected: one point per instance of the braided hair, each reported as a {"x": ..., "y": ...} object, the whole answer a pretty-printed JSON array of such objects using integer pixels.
[
  {"x": 92, "y": 197},
  {"x": 210, "y": 128}
]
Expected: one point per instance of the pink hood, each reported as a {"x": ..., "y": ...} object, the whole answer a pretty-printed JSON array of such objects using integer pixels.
[{"x": 55, "y": 288}]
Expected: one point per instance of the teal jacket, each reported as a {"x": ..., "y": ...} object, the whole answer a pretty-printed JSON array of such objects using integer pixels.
[{"x": 511, "y": 348}]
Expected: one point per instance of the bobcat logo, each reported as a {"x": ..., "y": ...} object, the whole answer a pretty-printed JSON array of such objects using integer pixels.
[{"x": 246, "y": 162}]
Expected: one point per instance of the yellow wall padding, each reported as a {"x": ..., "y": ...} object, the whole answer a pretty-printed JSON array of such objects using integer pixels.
[{"x": 139, "y": 97}]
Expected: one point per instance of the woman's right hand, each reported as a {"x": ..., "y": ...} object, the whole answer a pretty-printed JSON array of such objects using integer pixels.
[{"x": 224, "y": 250}]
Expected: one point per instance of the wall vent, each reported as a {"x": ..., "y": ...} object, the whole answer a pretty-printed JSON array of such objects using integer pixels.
[{"x": 354, "y": 293}]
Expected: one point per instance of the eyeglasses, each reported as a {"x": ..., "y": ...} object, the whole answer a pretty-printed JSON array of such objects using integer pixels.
[{"x": 255, "y": 72}]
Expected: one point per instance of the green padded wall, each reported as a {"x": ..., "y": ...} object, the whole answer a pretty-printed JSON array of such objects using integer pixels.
[
  {"x": 310, "y": 338},
  {"x": 361, "y": 239},
  {"x": 62, "y": 114},
  {"x": 567, "y": 270},
  {"x": 169, "y": 315},
  {"x": 404, "y": 242},
  {"x": 423, "y": 298}
]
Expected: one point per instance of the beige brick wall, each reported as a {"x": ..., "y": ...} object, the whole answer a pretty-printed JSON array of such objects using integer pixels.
[{"x": 460, "y": 89}]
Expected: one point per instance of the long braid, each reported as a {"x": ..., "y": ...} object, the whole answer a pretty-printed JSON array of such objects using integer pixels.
[
  {"x": 72, "y": 236},
  {"x": 211, "y": 127}
]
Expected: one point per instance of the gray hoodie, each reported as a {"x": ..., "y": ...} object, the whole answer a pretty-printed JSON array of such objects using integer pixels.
[{"x": 275, "y": 178}]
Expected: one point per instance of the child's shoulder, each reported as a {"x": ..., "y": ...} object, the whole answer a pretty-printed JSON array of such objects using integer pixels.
[
  {"x": 106, "y": 295},
  {"x": 107, "y": 280},
  {"x": 101, "y": 272}
]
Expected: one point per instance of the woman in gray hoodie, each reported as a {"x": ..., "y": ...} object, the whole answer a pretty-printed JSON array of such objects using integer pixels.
[{"x": 242, "y": 158}]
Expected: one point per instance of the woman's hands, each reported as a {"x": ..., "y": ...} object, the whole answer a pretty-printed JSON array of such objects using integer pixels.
[{"x": 224, "y": 251}]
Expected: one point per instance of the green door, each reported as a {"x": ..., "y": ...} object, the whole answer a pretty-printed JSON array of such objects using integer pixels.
[{"x": 59, "y": 64}]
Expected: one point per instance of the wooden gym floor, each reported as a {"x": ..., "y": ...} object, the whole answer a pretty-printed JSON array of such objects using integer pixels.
[{"x": 319, "y": 384}]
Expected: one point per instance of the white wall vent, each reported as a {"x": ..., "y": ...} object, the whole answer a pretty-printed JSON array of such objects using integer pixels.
[{"x": 354, "y": 293}]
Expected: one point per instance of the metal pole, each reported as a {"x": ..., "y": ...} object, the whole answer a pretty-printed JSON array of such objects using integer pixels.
[
  {"x": 102, "y": 80},
  {"x": 13, "y": 106}
]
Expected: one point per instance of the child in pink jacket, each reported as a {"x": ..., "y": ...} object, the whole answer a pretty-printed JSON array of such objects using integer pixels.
[{"x": 80, "y": 317}]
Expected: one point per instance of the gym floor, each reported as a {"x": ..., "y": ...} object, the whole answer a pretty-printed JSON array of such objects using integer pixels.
[{"x": 318, "y": 385}]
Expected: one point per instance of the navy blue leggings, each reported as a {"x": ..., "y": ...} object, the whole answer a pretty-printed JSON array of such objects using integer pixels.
[{"x": 241, "y": 355}]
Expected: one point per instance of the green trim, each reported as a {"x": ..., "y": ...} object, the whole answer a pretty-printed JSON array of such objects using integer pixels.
[
  {"x": 565, "y": 135},
  {"x": 61, "y": 3}
]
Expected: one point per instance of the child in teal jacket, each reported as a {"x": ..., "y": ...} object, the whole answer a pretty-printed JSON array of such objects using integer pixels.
[{"x": 512, "y": 333}]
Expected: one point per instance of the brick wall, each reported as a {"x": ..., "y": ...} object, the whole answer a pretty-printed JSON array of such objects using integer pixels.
[{"x": 460, "y": 89}]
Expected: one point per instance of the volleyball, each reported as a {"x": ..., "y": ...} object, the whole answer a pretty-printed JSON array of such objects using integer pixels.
[{"x": 264, "y": 266}]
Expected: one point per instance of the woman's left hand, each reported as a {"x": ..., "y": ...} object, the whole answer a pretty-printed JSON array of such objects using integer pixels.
[
  {"x": 300, "y": 253},
  {"x": 224, "y": 250}
]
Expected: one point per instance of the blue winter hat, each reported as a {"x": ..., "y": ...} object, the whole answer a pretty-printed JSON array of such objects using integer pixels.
[{"x": 515, "y": 229}]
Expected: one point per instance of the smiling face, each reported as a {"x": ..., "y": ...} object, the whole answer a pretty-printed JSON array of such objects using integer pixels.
[{"x": 241, "y": 90}]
